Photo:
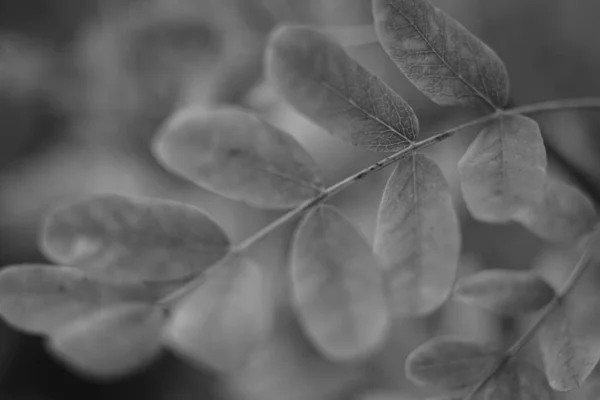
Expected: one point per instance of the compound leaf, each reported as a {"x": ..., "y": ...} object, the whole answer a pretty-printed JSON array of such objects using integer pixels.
[
  {"x": 418, "y": 236},
  {"x": 517, "y": 381},
  {"x": 337, "y": 286},
  {"x": 239, "y": 156},
  {"x": 450, "y": 363},
  {"x": 503, "y": 170},
  {"x": 111, "y": 342},
  {"x": 505, "y": 291},
  {"x": 131, "y": 238},
  {"x": 321, "y": 81},
  {"x": 439, "y": 56},
  {"x": 224, "y": 320}
]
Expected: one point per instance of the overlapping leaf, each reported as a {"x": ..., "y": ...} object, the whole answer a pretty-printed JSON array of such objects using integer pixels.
[
  {"x": 130, "y": 238},
  {"x": 517, "y": 381},
  {"x": 337, "y": 286},
  {"x": 237, "y": 155},
  {"x": 321, "y": 81},
  {"x": 418, "y": 236},
  {"x": 505, "y": 291},
  {"x": 439, "y": 56},
  {"x": 503, "y": 170}
]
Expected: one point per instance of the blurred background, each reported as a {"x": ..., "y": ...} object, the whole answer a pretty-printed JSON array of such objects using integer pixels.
[{"x": 85, "y": 84}]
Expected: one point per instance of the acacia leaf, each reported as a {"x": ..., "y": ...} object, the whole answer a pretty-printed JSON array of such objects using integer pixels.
[
  {"x": 318, "y": 78},
  {"x": 43, "y": 298},
  {"x": 111, "y": 342},
  {"x": 337, "y": 286},
  {"x": 450, "y": 363},
  {"x": 418, "y": 236},
  {"x": 225, "y": 319},
  {"x": 133, "y": 238},
  {"x": 439, "y": 56},
  {"x": 505, "y": 291},
  {"x": 503, "y": 170},
  {"x": 239, "y": 156},
  {"x": 517, "y": 381}
]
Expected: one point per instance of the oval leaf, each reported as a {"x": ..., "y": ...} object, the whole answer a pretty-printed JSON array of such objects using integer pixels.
[
  {"x": 503, "y": 170},
  {"x": 237, "y": 155},
  {"x": 517, "y": 381},
  {"x": 450, "y": 363},
  {"x": 225, "y": 319},
  {"x": 321, "y": 81},
  {"x": 43, "y": 298},
  {"x": 418, "y": 236},
  {"x": 439, "y": 56},
  {"x": 111, "y": 342},
  {"x": 505, "y": 291},
  {"x": 132, "y": 238},
  {"x": 337, "y": 286}
]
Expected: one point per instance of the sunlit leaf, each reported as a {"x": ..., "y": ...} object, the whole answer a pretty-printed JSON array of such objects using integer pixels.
[
  {"x": 564, "y": 214},
  {"x": 123, "y": 237},
  {"x": 321, "y": 81},
  {"x": 503, "y": 170},
  {"x": 337, "y": 286},
  {"x": 111, "y": 342},
  {"x": 505, "y": 291},
  {"x": 239, "y": 156},
  {"x": 42, "y": 298},
  {"x": 450, "y": 363},
  {"x": 568, "y": 360},
  {"x": 225, "y": 319},
  {"x": 439, "y": 56},
  {"x": 517, "y": 381},
  {"x": 418, "y": 236}
]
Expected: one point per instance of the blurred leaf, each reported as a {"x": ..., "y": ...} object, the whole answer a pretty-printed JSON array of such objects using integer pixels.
[
  {"x": 111, "y": 342},
  {"x": 239, "y": 156},
  {"x": 321, "y": 81},
  {"x": 517, "y": 381},
  {"x": 133, "y": 238},
  {"x": 450, "y": 363},
  {"x": 43, "y": 298},
  {"x": 439, "y": 56},
  {"x": 505, "y": 291},
  {"x": 337, "y": 286},
  {"x": 418, "y": 236},
  {"x": 503, "y": 170},
  {"x": 225, "y": 319},
  {"x": 564, "y": 214}
]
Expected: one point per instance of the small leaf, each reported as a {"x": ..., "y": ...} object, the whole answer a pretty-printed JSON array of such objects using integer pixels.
[
  {"x": 321, "y": 81},
  {"x": 418, "y": 236},
  {"x": 224, "y": 320},
  {"x": 237, "y": 155},
  {"x": 439, "y": 56},
  {"x": 568, "y": 360},
  {"x": 43, "y": 298},
  {"x": 131, "y": 238},
  {"x": 337, "y": 286},
  {"x": 450, "y": 363},
  {"x": 564, "y": 214},
  {"x": 111, "y": 342},
  {"x": 505, "y": 291},
  {"x": 517, "y": 381},
  {"x": 503, "y": 170}
]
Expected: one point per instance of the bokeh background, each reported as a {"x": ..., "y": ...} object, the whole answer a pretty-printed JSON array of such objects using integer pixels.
[{"x": 85, "y": 84}]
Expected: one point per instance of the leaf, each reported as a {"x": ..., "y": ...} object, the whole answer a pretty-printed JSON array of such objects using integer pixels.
[
  {"x": 223, "y": 322},
  {"x": 43, "y": 298},
  {"x": 418, "y": 236},
  {"x": 237, "y": 155},
  {"x": 111, "y": 342},
  {"x": 568, "y": 360},
  {"x": 439, "y": 56},
  {"x": 321, "y": 81},
  {"x": 517, "y": 381},
  {"x": 337, "y": 286},
  {"x": 564, "y": 214},
  {"x": 131, "y": 238},
  {"x": 505, "y": 291},
  {"x": 503, "y": 170},
  {"x": 450, "y": 363}
]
